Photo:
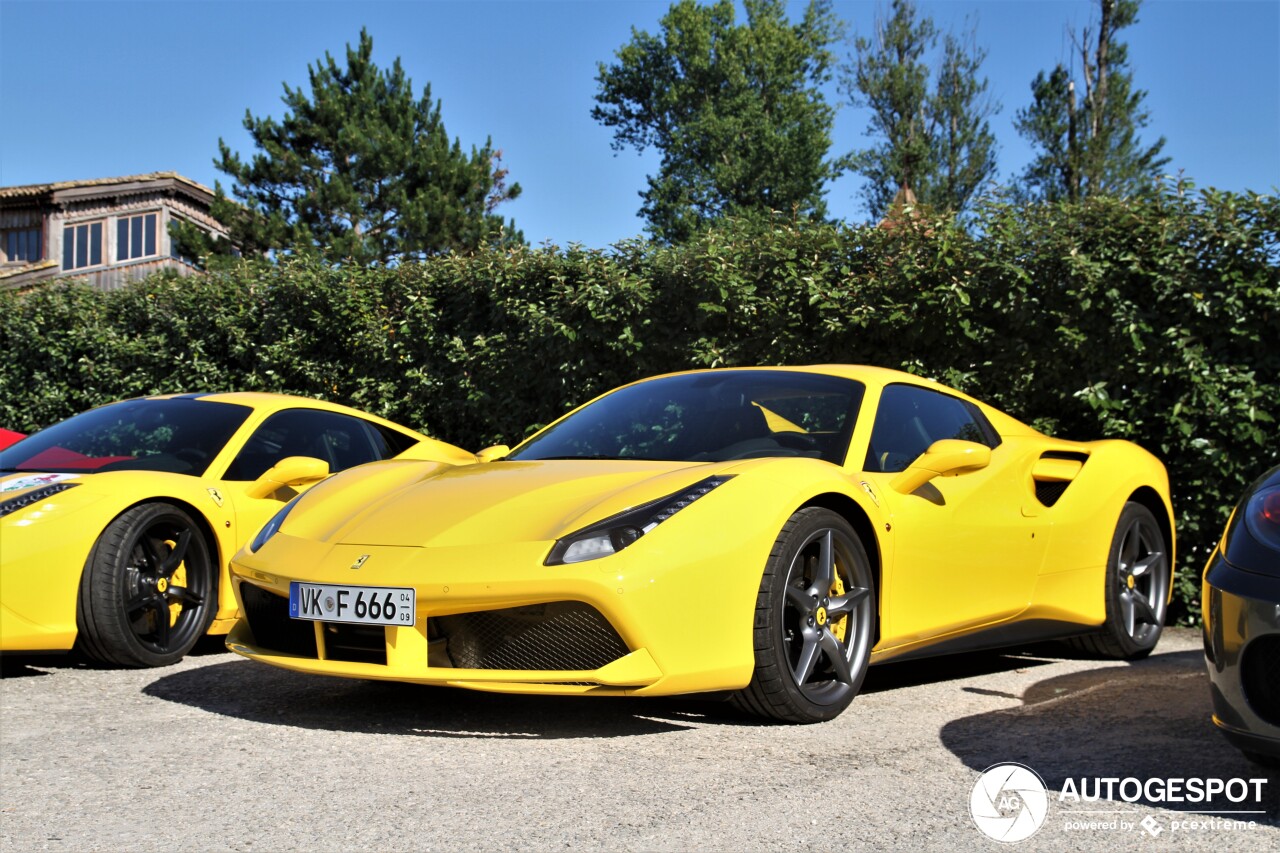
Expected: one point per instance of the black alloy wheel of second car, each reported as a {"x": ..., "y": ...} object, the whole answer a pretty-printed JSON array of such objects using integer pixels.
[{"x": 148, "y": 593}]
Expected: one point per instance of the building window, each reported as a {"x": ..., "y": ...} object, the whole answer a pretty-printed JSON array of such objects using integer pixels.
[
  {"x": 22, "y": 246},
  {"x": 135, "y": 237},
  {"x": 82, "y": 246}
]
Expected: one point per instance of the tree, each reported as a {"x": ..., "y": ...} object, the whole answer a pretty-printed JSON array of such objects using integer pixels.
[
  {"x": 736, "y": 111},
  {"x": 362, "y": 172},
  {"x": 934, "y": 139},
  {"x": 1090, "y": 146}
]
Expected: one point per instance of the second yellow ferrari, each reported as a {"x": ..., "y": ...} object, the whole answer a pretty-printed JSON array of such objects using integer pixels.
[{"x": 116, "y": 525}]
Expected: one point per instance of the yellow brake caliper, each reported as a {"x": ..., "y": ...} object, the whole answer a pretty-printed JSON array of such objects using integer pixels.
[
  {"x": 840, "y": 628},
  {"x": 179, "y": 579}
]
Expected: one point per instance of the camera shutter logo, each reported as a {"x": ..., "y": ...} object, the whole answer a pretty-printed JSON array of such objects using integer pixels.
[{"x": 1009, "y": 802}]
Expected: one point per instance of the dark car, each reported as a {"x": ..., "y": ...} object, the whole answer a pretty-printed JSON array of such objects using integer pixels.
[{"x": 1241, "y": 600}]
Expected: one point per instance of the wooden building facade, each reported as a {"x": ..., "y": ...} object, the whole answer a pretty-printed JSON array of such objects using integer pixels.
[{"x": 109, "y": 231}]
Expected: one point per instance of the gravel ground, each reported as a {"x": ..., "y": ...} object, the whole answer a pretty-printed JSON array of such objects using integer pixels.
[{"x": 219, "y": 753}]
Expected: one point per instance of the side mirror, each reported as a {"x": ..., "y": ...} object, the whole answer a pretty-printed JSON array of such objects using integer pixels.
[
  {"x": 292, "y": 471},
  {"x": 490, "y": 454},
  {"x": 947, "y": 457}
]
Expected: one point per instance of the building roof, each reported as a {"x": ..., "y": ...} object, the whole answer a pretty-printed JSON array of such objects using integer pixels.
[{"x": 31, "y": 191}]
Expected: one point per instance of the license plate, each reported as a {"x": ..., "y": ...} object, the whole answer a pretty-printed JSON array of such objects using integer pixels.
[{"x": 361, "y": 605}]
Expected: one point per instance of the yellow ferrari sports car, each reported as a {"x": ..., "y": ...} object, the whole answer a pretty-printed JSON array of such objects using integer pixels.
[
  {"x": 765, "y": 531},
  {"x": 116, "y": 525}
]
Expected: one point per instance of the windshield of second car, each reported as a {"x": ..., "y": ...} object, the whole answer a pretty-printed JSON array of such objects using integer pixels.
[
  {"x": 710, "y": 417},
  {"x": 178, "y": 435}
]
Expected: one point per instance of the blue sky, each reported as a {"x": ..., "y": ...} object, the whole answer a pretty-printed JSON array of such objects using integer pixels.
[{"x": 99, "y": 89}]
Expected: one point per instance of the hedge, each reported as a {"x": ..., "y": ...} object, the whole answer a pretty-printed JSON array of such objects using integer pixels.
[{"x": 1156, "y": 320}]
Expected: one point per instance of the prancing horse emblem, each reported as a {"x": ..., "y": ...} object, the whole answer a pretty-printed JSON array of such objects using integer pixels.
[{"x": 360, "y": 562}]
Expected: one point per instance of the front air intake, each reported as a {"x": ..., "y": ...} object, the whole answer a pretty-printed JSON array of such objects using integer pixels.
[
  {"x": 1260, "y": 677},
  {"x": 561, "y": 635},
  {"x": 273, "y": 630}
]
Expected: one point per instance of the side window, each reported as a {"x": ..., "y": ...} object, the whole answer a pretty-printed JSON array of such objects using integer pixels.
[
  {"x": 909, "y": 419},
  {"x": 340, "y": 440}
]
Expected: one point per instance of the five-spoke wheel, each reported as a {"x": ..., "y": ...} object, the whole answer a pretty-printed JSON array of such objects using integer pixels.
[
  {"x": 148, "y": 592},
  {"x": 815, "y": 615},
  {"x": 1137, "y": 588}
]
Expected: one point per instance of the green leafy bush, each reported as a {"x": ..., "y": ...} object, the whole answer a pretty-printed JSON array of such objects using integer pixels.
[{"x": 1156, "y": 320}]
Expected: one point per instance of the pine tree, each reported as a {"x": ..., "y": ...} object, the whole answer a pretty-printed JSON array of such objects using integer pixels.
[
  {"x": 736, "y": 111},
  {"x": 361, "y": 171},
  {"x": 1087, "y": 143},
  {"x": 933, "y": 127}
]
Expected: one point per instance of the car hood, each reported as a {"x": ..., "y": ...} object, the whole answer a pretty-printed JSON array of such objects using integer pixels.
[{"x": 495, "y": 502}]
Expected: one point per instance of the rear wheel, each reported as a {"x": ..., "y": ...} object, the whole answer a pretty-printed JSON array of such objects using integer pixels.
[
  {"x": 1137, "y": 589},
  {"x": 815, "y": 615},
  {"x": 148, "y": 591}
]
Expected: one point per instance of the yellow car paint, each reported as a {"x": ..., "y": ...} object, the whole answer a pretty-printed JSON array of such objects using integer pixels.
[
  {"x": 44, "y": 548},
  {"x": 970, "y": 549}
]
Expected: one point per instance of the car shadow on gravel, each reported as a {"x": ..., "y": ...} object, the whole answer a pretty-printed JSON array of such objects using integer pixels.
[
  {"x": 27, "y": 664},
  {"x": 898, "y": 674},
  {"x": 262, "y": 694},
  {"x": 1146, "y": 720}
]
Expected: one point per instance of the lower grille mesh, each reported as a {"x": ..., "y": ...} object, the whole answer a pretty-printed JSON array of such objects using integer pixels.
[
  {"x": 563, "y": 635},
  {"x": 1260, "y": 675}
]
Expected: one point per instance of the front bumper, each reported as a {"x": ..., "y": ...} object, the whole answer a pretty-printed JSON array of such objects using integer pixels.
[
  {"x": 661, "y": 617},
  {"x": 1242, "y": 650},
  {"x": 42, "y": 556}
]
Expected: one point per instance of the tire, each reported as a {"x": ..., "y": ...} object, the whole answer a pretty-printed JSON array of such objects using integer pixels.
[
  {"x": 814, "y": 622},
  {"x": 149, "y": 589},
  {"x": 1137, "y": 589}
]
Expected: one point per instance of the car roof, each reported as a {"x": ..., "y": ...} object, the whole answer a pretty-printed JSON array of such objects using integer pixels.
[{"x": 269, "y": 401}]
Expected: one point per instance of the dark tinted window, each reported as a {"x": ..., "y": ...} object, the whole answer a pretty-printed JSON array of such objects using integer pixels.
[
  {"x": 340, "y": 440},
  {"x": 177, "y": 435},
  {"x": 710, "y": 417},
  {"x": 909, "y": 419}
]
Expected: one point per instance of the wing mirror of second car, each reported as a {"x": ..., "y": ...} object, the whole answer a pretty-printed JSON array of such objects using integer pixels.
[
  {"x": 949, "y": 456},
  {"x": 494, "y": 453},
  {"x": 291, "y": 472}
]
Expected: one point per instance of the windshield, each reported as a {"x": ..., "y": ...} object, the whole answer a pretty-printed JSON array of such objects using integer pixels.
[
  {"x": 710, "y": 417},
  {"x": 178, "y": 435}
]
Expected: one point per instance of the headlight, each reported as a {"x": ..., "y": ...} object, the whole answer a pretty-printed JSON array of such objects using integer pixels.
[
  {"x": 1262, "y": 516},
  {"x": 24, "y": 501},
  {"x": 273, "y": 526},
  {"x": 618, "y": 531}
]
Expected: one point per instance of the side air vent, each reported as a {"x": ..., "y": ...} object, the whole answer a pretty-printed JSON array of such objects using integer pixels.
[
  {"x": 1048, "y": 491},
  {"x": 1054, "y": 471}
]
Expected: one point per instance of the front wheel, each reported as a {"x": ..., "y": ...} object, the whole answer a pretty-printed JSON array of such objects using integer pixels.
[
  {"x": 1137, "y": 589},
  {"x": 814, "y": 622},
  {"x": 149, "y": 589}
]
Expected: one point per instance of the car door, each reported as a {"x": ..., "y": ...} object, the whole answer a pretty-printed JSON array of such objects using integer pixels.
[{"x": 963, "y": 554}]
